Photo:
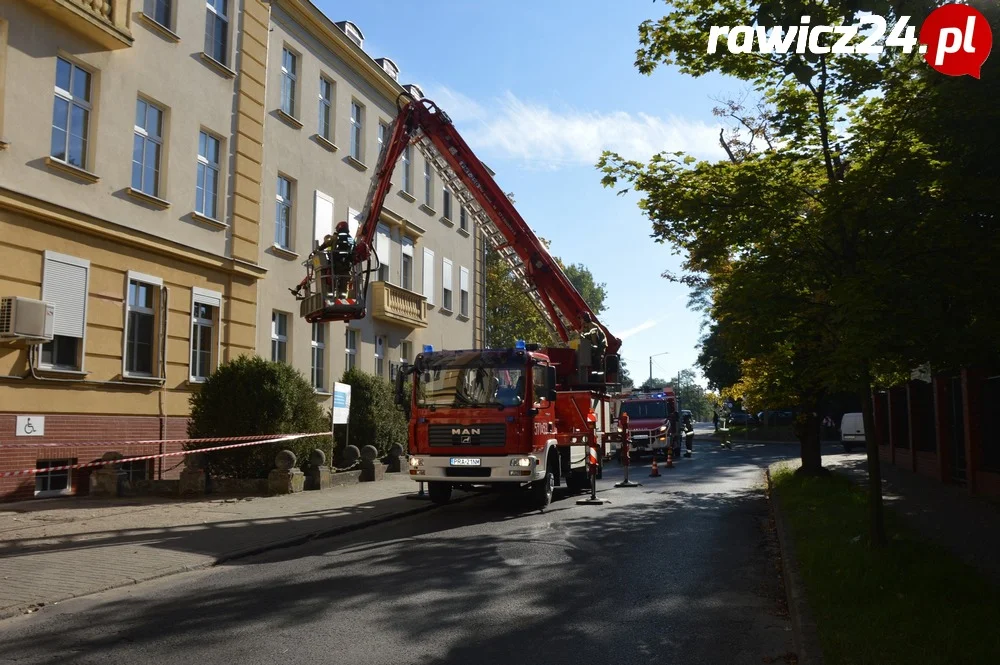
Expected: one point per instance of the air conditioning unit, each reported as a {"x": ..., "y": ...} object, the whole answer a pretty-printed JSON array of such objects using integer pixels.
[{"x": 26, "y": 320}]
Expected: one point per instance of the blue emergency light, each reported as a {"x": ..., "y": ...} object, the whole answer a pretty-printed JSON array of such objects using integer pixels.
[
  {"x": 520, "y": 345},
  {"x": 428, "y": 348}
]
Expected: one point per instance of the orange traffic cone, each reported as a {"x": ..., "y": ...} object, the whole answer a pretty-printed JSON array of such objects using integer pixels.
[
  {"x": 670, "y": 457},
  {"x": 655, "y": 473}
]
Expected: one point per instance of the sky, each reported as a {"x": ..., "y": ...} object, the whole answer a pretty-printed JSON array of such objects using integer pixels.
[{"x": 538, "y": 90}]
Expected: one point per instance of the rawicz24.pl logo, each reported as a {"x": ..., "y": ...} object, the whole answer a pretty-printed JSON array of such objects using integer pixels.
[{"x": 954, "y": 39}]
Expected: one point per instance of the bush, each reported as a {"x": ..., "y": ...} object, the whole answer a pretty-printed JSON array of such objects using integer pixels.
[
  {"x": 375, "y": 419},
  {"x": 251, "y": 395}
]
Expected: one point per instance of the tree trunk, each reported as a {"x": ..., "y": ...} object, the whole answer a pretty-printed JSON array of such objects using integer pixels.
[
  {"x": 876, "y": 523},
  {"x": 808, "y": 431}
]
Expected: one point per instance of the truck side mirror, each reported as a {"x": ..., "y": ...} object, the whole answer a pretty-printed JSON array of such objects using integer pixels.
[{"x": 550, "y": 382}]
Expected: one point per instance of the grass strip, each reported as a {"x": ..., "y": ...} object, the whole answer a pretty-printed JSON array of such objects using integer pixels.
[{"x": 911, "y": 602}]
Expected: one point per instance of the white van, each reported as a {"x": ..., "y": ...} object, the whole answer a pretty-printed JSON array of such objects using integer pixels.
[{"x": 852, "y": 431}]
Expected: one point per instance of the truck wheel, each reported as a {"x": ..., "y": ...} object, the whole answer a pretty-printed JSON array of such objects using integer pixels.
[
  {"x": 440, "y": 493},
  {"x": 541, "y": 490}
]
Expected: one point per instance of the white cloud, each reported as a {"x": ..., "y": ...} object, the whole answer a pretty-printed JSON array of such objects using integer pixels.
[
  {"x": 645, "y": 325},
  {"x": 543, "y": 137}
]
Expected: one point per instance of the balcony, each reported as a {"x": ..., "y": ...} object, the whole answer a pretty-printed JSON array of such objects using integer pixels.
[
  {"x": 395, "y": 304},
  {"x": 104, "y": 21}
]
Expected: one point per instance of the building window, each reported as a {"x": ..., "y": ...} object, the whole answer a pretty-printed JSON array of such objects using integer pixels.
[
  {"x": 463, "y": 291},
  {"x": 279, "y": 337},
  {"x": 428, "y": 185},
  {"x": 463, "y": 219},
  {"x": 429, "y": 275},
  {"x": 207, "y": 187},
  {"x": 71, "y": 114},
  {"x": 351, "y": 349},
  {"x": 65, "y": 281},
  {"x": 217, "y": 30},
  {"x": 159, "y": 11},
  {"x": 283, "y": 213},
  {"x": 383, "y": 243},
  {"x": 383, "y": 136},
  {"x": 134, "y": 470},
  {"x": 205, "y": 308},
  {"x": 289, "y": 67},
  {"x": 147, "y": 147},
  {"x": 319, "y": 356},
  {"x": 357, "y": 131},
  {"x": 406, "y": 267},
  {"x": 405, "y": 352},
  {"x": 446, "y": 284},
  {"x": 446, "y": 203},
  {"x": 380, "y": 355},
  {"x": 353, "y": 33},
  {"x": 55, "y": 482},
  {"x": 408, "y": 169},
  {"x": 141, "y": 330},
  {"x": 326, "y": 109}
]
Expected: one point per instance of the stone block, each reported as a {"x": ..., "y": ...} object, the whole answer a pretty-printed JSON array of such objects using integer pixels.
[
  {"x": 285, "y": 481},
  {"x": 192, "y": 482}
]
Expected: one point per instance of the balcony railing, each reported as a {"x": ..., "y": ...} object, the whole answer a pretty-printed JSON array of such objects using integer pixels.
[
  {"x": 395, "y": 304},
  {"x": 104, "y": 21}
]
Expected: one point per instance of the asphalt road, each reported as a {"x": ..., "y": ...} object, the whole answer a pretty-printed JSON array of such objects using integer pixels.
[{"x": 680, "y": 570}]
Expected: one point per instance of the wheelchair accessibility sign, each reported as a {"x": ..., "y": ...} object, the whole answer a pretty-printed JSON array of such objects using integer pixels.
[{"x": 30, "y": 426}]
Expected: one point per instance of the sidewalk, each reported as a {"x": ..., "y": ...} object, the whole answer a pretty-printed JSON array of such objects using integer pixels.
[{"x": 53, "y": 550}]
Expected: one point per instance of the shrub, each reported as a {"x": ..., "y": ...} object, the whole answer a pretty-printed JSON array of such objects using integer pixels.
[
  {"x": 374, "y": 419},
  {"x": 251, "y": 395}
]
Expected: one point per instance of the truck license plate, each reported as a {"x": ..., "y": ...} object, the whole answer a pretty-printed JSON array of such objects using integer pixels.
[{"x": 465, "y": 461}]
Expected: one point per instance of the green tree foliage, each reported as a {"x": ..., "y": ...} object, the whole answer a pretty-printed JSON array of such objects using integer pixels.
[
  {"x": 653, "y": 384},
  {"x": 374, "y": 418},
  {"x": 248, "y": 396},
  {"x": 625, "y": 377},
  {"x": 510, "y": 314},
  {"x": 849, "y": 233},
  {"x": 716, "y": 360},
  {"x": 592, "y": 293},
  {"x": 692, "y": 396}
]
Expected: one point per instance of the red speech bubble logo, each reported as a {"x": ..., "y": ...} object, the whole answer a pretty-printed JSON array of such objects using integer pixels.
[{"x": 956, "y": 40}]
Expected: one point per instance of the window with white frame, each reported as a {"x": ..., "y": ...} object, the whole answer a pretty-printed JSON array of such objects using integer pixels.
[
  {"x": 463, "y": 291},
  {"x": 160, "y": 11},
  {"x": 446, "y": 284},
  {"x": 217, "y": 30},
  {"x": 351, "y": 348},
  {"x": 71, "y": 114},
  {"x": 207, "y": 186},
  {"x": 319, "y": 356},
  {"x": 279, "y": 337},
  {"x": 383, "y": 136},
  {"x": 429, "y": 275},
  {"x": 205, "y": 309},
  {"x": 289, "y": 74},
  {"x": 65, "y": 283},
  {"x": 283, "y": 213},
  {"x": 428, "y": 185},
  {"x": 446, "y": 203},
  {"x": 463, "y": 219},
  {"x": 55, "y": 482},
  {"x": 406, "y": 264},
  {"x": 142, "y": 330},
  {"x": 380, "y": 355},
  {"x": 405, "y": 352},
  {"x": 383, "y": 245},
  {"x": 357, "y": 131},
  {"x": 353, "y": 33},
  {"x": 326, "y": 108},
  {"x": 147, "y": 147},
  {"x": 408, "y": 169}
]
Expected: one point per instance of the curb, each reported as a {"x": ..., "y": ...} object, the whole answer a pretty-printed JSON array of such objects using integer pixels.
[
  {"x": 804, "y": 631},
  {"x": 11, "y": 612}
]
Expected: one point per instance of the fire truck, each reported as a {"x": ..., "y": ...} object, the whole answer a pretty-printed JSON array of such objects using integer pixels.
[
  {"x": 649, "y": 420},
  {"x": 525, "y": 417}
]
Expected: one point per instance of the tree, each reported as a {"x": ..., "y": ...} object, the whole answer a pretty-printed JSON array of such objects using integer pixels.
[
  {"x": 624, "y": 377},
  {"x": 818, "y": 237},
  {"x": 510, "y": 314},
  {"x": 652, "y": 384},
  {"x": 592, "y": 293},
  {"x": 692, "y": 396},
  {"x": 716, "y": 360},
  {"x": 374, "y": 419}
]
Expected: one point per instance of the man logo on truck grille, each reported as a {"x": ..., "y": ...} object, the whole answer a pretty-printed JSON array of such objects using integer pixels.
[{"x": 466, "y": 433}]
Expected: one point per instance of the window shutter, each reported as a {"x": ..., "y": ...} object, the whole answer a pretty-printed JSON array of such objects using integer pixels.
[
  {"x": 65, "y": 286},
  {"x": 407, "y": 246},
  {"x": 463, "y": 283},
  {"x": 353, "y": 221},
  {"x": 323, "y": 222},
  {"x": 383, "y": 245},
  {"x": 429, "y": 276},
  {"x": 446, "y": 279}
]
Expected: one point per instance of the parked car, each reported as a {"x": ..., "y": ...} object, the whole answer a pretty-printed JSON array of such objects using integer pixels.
[
  {"x": 852, "y": 431},
  {"x": 742, "y": 418}
]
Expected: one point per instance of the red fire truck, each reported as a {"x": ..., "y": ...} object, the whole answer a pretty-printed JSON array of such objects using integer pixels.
[
  {"x": 649, "y": 420},
  {"x": 524, "y": 416}
]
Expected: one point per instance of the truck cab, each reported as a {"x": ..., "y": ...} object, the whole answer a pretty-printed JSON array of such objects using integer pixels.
[{"x": 649, "y": 420}]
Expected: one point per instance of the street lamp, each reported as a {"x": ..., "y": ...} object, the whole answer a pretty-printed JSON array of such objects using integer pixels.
[{"x": 651, "y": 362}]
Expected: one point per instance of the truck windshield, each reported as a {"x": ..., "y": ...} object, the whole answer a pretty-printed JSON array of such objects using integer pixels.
[
  {"x": 645, "y": 410},
  {"x": 471, "y": 385}
]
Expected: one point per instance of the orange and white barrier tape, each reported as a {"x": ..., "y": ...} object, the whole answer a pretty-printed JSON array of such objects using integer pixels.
[
  {"x": 28, "y": 472},
  {"x": 147, "y": 442}
]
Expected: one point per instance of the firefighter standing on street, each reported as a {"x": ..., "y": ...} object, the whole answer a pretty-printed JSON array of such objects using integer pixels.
[
  {"x": 674, "y": 434},
  {"x": 688, "y": 434}
]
